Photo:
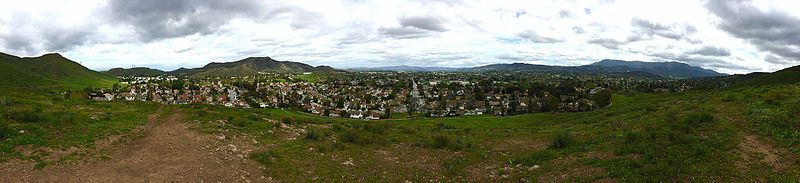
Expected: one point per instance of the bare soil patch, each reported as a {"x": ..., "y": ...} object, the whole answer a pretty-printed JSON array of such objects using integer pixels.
[
  {"x": 167, "y": 151},
  {"x": 752, "y": 149}
]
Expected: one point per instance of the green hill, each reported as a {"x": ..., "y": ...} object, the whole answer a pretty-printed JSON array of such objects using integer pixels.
[
  {"x": 136, "y": 71},
  {"x": 49, "y": 70},
  {"x": 785, "y": 76},
  {"x": 248, "y": 66}
]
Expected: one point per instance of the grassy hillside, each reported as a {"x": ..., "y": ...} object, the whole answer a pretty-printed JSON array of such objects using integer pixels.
[
  {"x": 789, "y": 75},
  {"x": 49, "y": 71},
  {"x": 701, "y": 136},
  {"x": 736, "y": 135},
  {"x": 249, "y": 66},
  {"x": 35, "y": 123},
  {"x": 136, "y": 71}
]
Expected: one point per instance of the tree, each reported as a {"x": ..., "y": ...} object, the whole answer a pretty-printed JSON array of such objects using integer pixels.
[
  {"x": 602, "y": 98},
  {"x": 411, "y": 105},
  {"x": 388, "y": 112},
  {"x": 551, "y": 103}
]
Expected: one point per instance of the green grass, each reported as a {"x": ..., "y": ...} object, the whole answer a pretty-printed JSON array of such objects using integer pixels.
[
  {"x": 311, "y": 78},
  {"x": 678, "y": 137},
  {"x": 689, "y": 136},
  {"x": 51, "y": 72},
  {"x": 36, "y": 120}
]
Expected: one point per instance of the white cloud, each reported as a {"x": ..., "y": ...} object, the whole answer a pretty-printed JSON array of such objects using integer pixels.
[{"x": 350, "y": 33}]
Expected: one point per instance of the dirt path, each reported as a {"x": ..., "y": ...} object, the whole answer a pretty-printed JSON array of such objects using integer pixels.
[{"x": 168, "y": 151}]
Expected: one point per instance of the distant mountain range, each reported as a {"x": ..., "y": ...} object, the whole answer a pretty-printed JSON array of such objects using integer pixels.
[
  {"x": 49, "y": 70},
  {"x": 248, "y": 66},
  {"x": 136, "y": 71},
  {"x": 53, "y": 70},
  {"x": 663, "y": 69},
  {"x": 405, "y": 68}
]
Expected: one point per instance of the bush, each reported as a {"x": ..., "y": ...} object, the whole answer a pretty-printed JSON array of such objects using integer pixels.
[
  {"x": 772, "y": 97},
  {"x": 632, "y": 136},
  {"x": 535, "y": 158},
  {"x": 441, "y": 141},
  {"x": 313, "y": 134},
  {"x": 263, "y": 157},
  {"x": 349, "y": 137},
  {"x": 698, "y": 118},
  {"x": 650, "y": 108},
  {"x": 443, "y": 126},
  {"x": 26, "y": 115},
  {"x": 5, "y": 131},
  {"x": 562, "y": 140},
  {"x": 287, "y": 120},
  {"x": 362, "y": 138}
]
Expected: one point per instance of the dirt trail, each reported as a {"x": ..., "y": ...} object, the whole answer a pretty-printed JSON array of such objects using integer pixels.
[{"x": 168, "y": 152}]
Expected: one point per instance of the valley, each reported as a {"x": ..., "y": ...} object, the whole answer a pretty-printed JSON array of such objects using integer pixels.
[{"x": 732, "y": 128}]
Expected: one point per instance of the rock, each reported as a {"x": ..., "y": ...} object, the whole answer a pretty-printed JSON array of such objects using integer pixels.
[
  {"x": 221, "y": 137},
  {"x": 535, "y": 167}
]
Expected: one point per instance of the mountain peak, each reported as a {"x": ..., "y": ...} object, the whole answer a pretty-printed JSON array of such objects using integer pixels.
[{"x": 56, "y": 55}]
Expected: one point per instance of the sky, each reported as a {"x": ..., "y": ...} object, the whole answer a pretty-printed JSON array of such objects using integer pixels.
[{"x": 728, "y": 36}]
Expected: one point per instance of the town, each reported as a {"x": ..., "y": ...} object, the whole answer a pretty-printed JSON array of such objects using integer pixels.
[{"x": 384, "y": 95}]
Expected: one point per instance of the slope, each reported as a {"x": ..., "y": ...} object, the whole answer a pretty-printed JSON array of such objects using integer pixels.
[
  {"x": 669, "y": 69},
  {"x": 50, "y": 70},
  {"x": 785, "y": 76},
  {"x": 136, "y": 71},
  {"x": 248, "y": 66}
]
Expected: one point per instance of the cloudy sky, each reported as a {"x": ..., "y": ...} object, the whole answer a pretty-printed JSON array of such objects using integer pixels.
[{"x": 730, "y": 36}]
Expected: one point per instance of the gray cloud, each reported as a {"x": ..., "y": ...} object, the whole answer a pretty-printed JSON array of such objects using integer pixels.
[
  {"x": 532, "y": 36},
  {"x": 711, "y": 51},
  {"x": 771, "y": 58},
  {"x": 18, "y": 42},
  {"x": 425, "y": 23},
  {"x": 564, "y": 14},
  {"x": 161, "y": 19},
  {"x": 675, "y": 31},
  {"x": 772, "y": 30},
  {"x": 607, "y": 43},
  {"x": 578, "y": 30},
  {"x": 402, "y": 32},
  {"x": 705, "y": 62}
]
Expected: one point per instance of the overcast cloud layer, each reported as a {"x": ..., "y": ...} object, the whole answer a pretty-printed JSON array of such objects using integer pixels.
[{"x": 730, "y": 36}]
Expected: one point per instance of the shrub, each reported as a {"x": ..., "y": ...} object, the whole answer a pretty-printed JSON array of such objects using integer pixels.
[
  {"x": 650, "y": 108},
  {"x": 313, "y": 134},
  {"x": 441, "y": 141},
  {"x": 263, "y": 157},
  {"x": 534, "y": 158},
  {"x": 26, "y": 115},
  {"x": 728, "y": 97},
  {"x": 632, "y": 136},
  {"x": 5, "y": 130},
  {"x": 287, "y": 120},
  {"x": 772, "y": 97},
  {"x": 698, "y": 118},
  {"x": 444, "y": 126},
  {"x": 349, "y": 137},
  {"x": 562, "y": 140}
]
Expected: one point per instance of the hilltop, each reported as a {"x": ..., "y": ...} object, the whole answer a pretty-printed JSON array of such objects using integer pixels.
[
  {"x": 668, "y": 69},
  {"x": 664, "y": 69},
  {"x": 648, "y": 69},
  {"x": 49, "y": 70},
  {"x": 136, "y": 71},
  {"x": 788, "y": 75},
  {"x": 248, "y": 66}
]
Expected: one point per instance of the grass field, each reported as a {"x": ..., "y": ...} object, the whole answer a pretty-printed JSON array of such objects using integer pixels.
[
  {"x": 694, "y": 136},
  {"x": 737, "y": 135},
  {"x": 31, "y": 122}
]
